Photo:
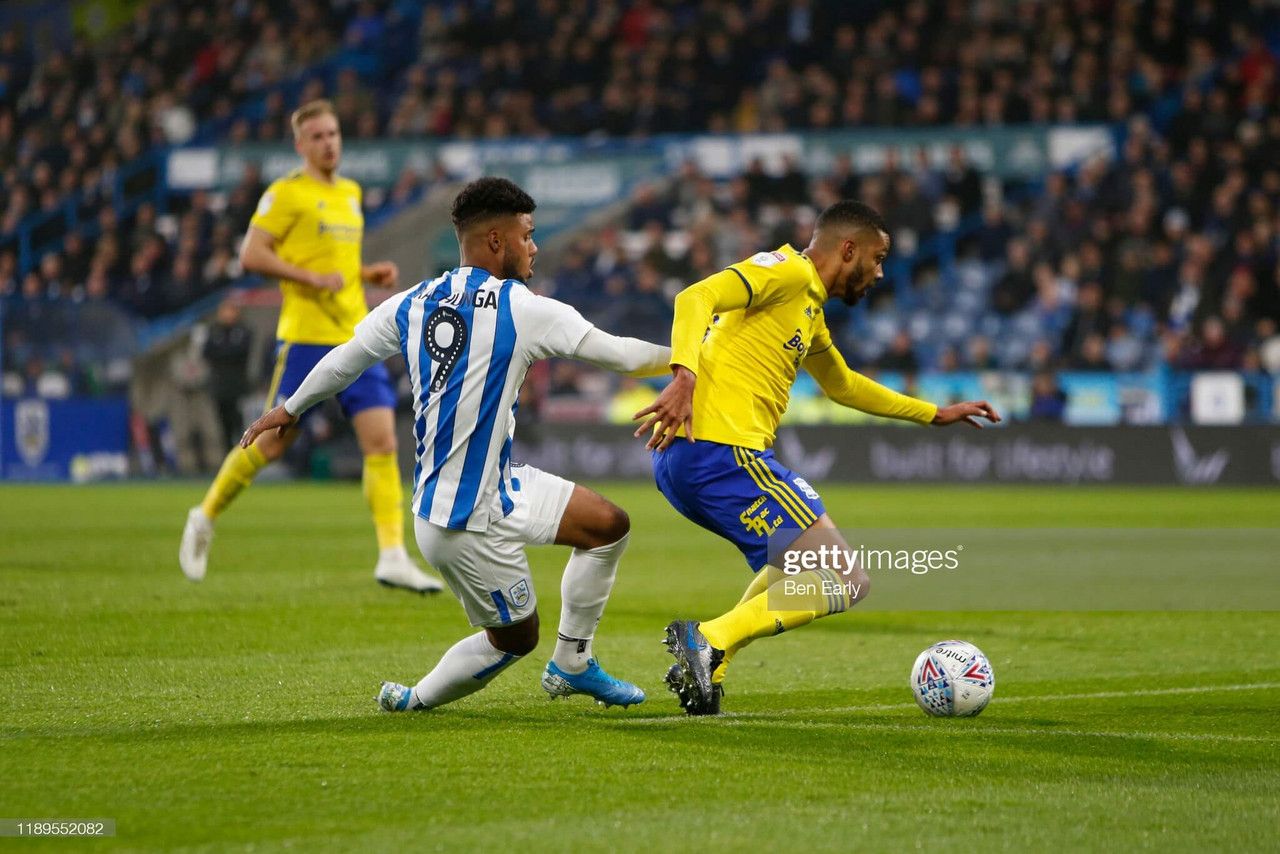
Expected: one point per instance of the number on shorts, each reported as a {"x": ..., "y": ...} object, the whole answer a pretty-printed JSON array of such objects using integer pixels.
[{"x": 445, "y": 337}]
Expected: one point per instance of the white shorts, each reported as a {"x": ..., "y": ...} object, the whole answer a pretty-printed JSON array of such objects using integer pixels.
[{"x": 488, "y": 571}]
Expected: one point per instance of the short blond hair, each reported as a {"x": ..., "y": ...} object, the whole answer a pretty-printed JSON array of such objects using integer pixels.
[{"x": 310, "y": 110}]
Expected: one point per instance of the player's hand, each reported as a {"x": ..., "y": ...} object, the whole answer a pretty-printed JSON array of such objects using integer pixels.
[
  {"x": 672, "y": 410},
  {"x": 331, "y": 282},
  {"x": 384, "y": 274},
  {"x": 968, "y": 412},
  {"x": 277, "y": 419}
]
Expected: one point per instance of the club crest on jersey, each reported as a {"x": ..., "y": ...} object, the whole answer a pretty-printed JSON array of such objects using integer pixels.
[
  {"x": 265, "y": 203},
  {"x": 804, "y": 487},
  {"x": 520, "y": 593},
  {"x": 767, "y": 259},
  {"x": 355, "y": 206}
]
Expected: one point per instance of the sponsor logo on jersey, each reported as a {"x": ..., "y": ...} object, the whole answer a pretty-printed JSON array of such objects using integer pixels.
[
  {"x": 479, "y": 299},
  {"x": 265, "y": 203},
  {"x": 767, "y": 259},
  {"x": 759, "y": 524},
  {"x": 341, "y": 232}
]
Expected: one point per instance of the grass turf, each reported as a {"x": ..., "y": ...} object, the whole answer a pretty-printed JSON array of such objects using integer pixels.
[{"x": 237, "y": 714}]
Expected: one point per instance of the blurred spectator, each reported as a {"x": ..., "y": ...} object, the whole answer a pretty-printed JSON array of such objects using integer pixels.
[
  {"x": 1212, "y": 349},
  {"x": 1015, "y": 287},
  {"x": 227, "y": 352},
  {"x": 900, "y": 356},
  {"x": 1048, "y": 400}
]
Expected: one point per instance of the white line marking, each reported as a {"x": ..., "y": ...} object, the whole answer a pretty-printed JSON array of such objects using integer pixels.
[
  {"x": 1073, "y": 733},
  {"x": 736, "y": 717}
]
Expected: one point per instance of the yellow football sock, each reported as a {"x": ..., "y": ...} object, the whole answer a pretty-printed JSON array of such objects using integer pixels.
[
  {"x": 760, "y": 582},
  {"x": 752, "y": 619},
  {"x": 237, "y": 472},
  {"x": 386, "y": 498}
]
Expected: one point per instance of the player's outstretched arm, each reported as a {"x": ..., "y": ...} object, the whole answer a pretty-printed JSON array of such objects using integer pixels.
[
  {"x": 258, "y": 255},
  {"x": 377, "y": 337},
  {"x": 629, "y": 356},
  {"x": 695, "y": 307},
  {"x": 850, "y": 388},
  {"x": 968, "y": 412},
  {"x": 277, "y": 419}
]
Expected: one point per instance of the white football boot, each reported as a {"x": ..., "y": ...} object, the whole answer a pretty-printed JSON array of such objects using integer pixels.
[
  {"x": 193, "y": 554},
  {"x": 396, "y": 569}
]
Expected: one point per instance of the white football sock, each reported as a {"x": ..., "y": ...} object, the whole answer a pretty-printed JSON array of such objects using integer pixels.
[
  {"x": 468, "y": 666},
  {"x": 584, "y": 590}
]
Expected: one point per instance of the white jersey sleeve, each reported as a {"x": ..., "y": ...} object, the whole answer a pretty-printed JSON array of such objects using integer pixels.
[
  {"x": 378, "y": 333},
  {"x": 553, "y": 328}
]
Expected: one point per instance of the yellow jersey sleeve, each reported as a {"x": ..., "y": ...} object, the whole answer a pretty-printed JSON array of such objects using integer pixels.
[
  {"x": 774, "y": 277},
  {"x": 277, "y": 210},
  {"x": 850, "y": 388},
  {"x": 695, "y": 307},
  {"x": 821, "y": 340}
]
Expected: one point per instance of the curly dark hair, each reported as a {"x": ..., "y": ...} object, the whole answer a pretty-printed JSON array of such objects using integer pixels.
[
  {"x": 489, "y": 197},
  {"x": 850, "y": 214}
]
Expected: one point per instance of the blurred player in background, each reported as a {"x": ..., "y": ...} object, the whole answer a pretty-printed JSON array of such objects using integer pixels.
[
  {"x": 737, "y": 341},
  {"x": 307, "y": 233}
]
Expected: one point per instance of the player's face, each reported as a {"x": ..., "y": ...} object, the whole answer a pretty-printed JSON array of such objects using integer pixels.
[
  {"x": 320, "y": 142},
  {"x": 865, "y": 268},
  {"x": 518, "y": 249}
]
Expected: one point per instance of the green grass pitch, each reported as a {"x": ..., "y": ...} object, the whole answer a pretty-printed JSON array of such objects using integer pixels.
[{"x": 238, "y": 714}]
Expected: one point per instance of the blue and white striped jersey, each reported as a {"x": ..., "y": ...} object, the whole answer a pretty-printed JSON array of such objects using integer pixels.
[{"x": 468, "y": 339}]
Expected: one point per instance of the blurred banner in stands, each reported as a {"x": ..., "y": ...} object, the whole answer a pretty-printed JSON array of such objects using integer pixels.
[
  {"x": 1194, "y": 456},
  {"x": 1023, "y": 152},
  {"x": 76, "y": 439}
]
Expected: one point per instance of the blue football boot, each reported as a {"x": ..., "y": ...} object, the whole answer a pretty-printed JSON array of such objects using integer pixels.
[{"x": 594, "y": 682}]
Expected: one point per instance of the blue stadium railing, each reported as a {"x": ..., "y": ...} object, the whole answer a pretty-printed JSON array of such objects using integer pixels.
[{"x": 70, "y": 211}]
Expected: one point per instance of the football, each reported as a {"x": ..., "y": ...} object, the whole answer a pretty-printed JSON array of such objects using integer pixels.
[{"x": 952, "y": 679}]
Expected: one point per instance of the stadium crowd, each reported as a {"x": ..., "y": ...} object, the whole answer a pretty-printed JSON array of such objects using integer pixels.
[{"x": 1165, "y": 256}]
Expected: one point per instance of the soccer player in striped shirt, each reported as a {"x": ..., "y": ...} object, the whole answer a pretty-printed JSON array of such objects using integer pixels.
[
  {"x": 738, "y": 339},
  {"x": 468, "y": 338}
]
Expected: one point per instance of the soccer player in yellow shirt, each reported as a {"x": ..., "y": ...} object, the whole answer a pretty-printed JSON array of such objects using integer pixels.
[
  {"x": 738, "y": 339},
  {"x": 307, "y": 233}
]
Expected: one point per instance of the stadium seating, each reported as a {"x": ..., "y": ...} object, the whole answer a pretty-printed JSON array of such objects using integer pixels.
[{"x": 1179, "y": 232}]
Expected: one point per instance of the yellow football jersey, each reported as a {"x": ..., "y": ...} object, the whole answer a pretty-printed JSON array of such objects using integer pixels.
[
  {"x": 749, "y": 357},
  {"x": 318, "y": 227}
]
